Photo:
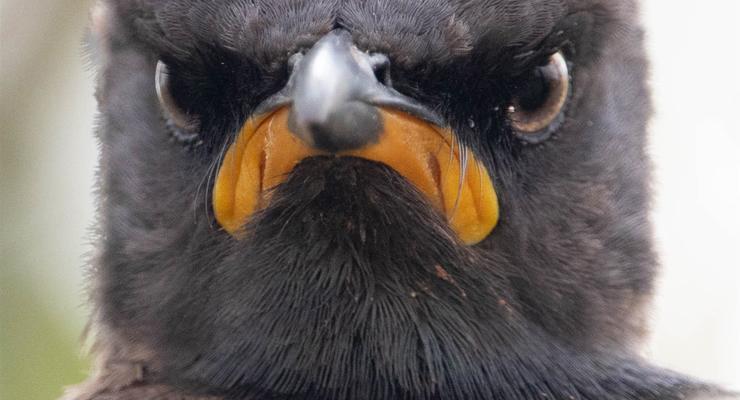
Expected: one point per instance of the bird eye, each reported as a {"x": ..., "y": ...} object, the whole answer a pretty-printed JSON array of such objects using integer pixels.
[
  {"x": 175, "y": 114},
  {"x": 536, "y": 109}
]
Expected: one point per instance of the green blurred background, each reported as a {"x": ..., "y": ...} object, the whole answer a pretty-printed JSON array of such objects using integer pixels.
[
  {"x": 46, "y": 208},
  {"x": 48, "y": 162}
]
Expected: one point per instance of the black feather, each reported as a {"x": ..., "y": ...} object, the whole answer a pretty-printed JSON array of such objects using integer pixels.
[{"x": 349, "y": 285}]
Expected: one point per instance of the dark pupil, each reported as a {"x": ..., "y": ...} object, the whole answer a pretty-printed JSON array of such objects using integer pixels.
[{"x": 533, "y": 90}]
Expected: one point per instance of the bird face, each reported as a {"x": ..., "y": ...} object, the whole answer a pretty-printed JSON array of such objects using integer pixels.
[{"x": 387, "y": 199}]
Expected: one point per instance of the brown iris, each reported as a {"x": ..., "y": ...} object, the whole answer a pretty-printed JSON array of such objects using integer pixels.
[{"x": 538, "y": 103}]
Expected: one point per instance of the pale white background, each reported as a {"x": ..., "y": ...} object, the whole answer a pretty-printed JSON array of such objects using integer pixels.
[
  {"x": 695, "y": 51},
  {"x": 49, "y": 156}
]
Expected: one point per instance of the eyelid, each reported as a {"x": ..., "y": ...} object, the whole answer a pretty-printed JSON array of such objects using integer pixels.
[
  {"x": 537, "y": 124},
  {"x": 176, "y": 114}
]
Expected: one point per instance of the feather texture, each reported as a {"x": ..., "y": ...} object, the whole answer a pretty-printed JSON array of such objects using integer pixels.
[{"x": 349, "y": 285}]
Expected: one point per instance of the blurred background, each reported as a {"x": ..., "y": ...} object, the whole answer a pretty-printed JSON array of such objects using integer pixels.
[{"x": 48, "y": 162}]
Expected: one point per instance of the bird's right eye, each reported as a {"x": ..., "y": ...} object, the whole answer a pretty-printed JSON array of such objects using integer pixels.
[{"x": 185, "y": 123}]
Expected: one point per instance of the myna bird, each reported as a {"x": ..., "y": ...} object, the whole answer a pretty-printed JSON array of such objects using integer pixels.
[{"x": 385, "y": 199}]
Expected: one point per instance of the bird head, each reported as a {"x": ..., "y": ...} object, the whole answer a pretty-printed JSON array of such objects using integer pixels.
[{"x": 372, "y": 199}]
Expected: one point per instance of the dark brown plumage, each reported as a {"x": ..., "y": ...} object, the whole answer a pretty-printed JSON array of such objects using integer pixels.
[{"x": 349, "y": 284}]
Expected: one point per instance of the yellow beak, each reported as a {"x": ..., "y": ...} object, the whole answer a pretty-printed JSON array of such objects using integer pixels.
[{"x": 266, "y": 151}]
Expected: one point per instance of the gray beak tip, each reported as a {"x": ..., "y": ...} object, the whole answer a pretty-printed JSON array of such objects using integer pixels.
[{"x": 334, "y": 92}]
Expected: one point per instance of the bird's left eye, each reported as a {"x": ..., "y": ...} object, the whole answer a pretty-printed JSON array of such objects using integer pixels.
[
  {"x": 539, "y": 98},
  {"x": 184, "y": 123}
]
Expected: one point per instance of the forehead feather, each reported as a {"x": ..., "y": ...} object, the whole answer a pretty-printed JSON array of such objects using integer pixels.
[{"x": 411, "y": 31}]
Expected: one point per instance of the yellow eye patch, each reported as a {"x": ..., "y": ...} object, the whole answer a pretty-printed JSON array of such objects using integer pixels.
[{"x": 266, "y": 151}]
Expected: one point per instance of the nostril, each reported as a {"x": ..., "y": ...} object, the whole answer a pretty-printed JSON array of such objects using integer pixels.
[
  {"x": 381, "y": 65},
  {"x": 294, "y": 60}
]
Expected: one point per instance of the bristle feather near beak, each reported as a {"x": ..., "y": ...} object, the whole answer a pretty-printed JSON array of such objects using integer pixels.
[{"x": 266, "y": 151}]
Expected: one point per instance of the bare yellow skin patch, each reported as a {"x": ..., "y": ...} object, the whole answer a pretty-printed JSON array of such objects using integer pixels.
[{"x": 265, "y": 152}]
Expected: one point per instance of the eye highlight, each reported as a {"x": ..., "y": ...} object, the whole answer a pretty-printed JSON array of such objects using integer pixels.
[
  {"x": 185, "y": 125},
  {"x": 539, "y": 99}
]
